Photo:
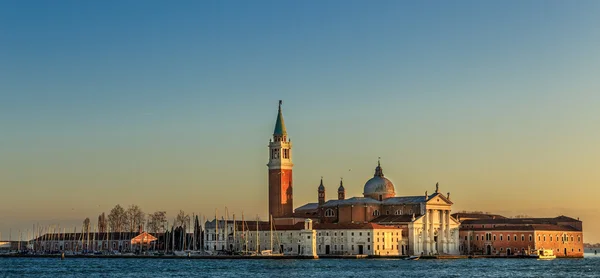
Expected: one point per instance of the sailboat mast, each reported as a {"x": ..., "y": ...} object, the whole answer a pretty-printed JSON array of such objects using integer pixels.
[
  {"x": 244, "y": 235},
  {"x": 234, "y": 238},
  {"x": 257, "y": 244},
  {"x": 216, "y": 229},
  {"x": 226, "y": 231}
]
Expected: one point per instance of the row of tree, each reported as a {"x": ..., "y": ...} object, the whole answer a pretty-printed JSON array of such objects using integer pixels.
[{"x": 133, "y": 219}]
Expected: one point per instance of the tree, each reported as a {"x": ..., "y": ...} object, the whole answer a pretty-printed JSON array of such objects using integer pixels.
[
  {"x": 157, "y": 222},
  {"x": 86, "y": 226},
  {"x": 182, "y": 219},
  {"x": 135, "y": 218},
  {"x": 117, "y": 219},
  {"x": 102, "y": 224}
]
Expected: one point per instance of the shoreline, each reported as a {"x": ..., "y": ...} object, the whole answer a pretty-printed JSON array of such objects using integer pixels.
[{"x": 225, "y": 257}]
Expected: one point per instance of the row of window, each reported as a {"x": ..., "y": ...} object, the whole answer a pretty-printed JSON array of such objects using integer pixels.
[
  {"x": 489, "y": 236},
  {"x": 342, "y": 247},
  {"x": 275, "y": 153},
  {"x": 387, "y": 212}
]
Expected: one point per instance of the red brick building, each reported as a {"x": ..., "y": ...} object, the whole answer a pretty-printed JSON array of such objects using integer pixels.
[
  {"x": 498, "y": 235},
  {"x": 281, "y": 197}
]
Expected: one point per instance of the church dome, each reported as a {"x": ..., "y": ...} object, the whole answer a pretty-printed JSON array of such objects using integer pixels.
[{"x": 379, "y": 187}]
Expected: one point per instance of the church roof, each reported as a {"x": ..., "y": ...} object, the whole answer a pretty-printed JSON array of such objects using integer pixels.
[
  {"x": 394, "y": 218},
  {"x": 378, "y": 184},
  {"x": 475, "y": 215},
  {"x": 351, "y": 201},
  {"x": 404, "y": 200},
  {"x": 309, "y": 206},
  {"x": 279, "y": 124}
]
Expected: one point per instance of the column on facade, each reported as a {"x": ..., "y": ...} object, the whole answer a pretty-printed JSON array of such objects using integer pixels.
[
  {"x": 442, "y": 233},
  {"x": 448, "y": 239},
  {"x": 431, "y": 231},
  {"x": 425, "y": 233}
]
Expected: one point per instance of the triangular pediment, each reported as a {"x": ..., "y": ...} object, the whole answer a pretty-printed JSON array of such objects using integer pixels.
[{"x": 438, "y": 198}]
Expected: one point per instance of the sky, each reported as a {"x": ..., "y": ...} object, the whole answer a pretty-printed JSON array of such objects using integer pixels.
[{"x": 170, "y": 105}]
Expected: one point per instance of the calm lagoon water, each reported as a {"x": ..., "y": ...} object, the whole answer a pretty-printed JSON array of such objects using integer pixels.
[{"x": 51, "y": 267}]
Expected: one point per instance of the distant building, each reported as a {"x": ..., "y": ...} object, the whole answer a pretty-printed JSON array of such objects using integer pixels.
[
  {"x": 424, "y": 221},
  {"x": 498, "y": 235},
  {"x": 329, "y": 238},
  {"x": 78, "y": 242},
  {"x": 381, "y": 223}
]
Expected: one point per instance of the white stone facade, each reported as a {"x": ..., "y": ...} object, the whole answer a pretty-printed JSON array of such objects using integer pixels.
[{"x": 378, "y": 241}]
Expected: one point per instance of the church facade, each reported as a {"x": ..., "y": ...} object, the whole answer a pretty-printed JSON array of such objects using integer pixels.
[{"x": 425, "y": 221}]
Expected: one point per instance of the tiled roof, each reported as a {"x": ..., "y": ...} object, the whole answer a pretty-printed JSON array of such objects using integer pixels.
[
  {"x": 394, "y": 218},
  {"x": 405, "y": 200},
  {"x": 309, "y": 206},
  {"x": 351, "y": 226},
  {"x": 554, "y": 220},
  {"x": 97, "y": 236},
  {"x": 557, "y": 223},
  {"x": 531, "y": 227},
  {"x": 462, "y": 215},
  {"x": 351, "y": 201}
]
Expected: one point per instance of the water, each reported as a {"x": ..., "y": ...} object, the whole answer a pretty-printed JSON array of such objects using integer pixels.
[{"x": 54, "y": 267}]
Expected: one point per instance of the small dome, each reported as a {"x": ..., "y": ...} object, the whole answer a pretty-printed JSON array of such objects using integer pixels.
[
  {"x": 379, "y": 187},
  {"x": 341, "y": 188}
]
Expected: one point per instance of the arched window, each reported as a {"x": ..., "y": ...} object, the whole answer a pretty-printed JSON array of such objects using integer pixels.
[
  {"x": 329, "y": 213},
  {"x": 376, "y": 212}
]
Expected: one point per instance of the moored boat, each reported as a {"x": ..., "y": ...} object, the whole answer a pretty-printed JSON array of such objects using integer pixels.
[{"x": 544, "y": 254}]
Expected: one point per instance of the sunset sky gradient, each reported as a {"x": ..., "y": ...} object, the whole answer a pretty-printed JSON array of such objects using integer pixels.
[{"x": 170, "y": 105}]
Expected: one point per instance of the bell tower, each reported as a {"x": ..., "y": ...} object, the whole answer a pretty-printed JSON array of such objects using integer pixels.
[{"x": 280, "y": 171}]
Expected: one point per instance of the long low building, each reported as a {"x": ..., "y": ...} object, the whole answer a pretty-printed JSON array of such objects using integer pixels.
[
  {"x": 329, "y": 238},
  {"x": 95, "y": 241},
  {"x": 503, "y": 236}
]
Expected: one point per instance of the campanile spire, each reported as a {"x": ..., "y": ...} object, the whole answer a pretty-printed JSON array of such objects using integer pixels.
[{"x": 280, "y": 170}]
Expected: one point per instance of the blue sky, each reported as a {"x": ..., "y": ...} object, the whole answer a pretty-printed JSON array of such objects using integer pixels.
[{"x": 135, "y": 96}]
